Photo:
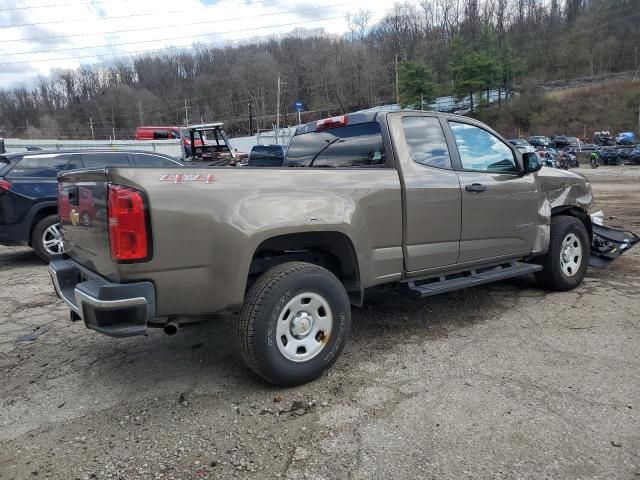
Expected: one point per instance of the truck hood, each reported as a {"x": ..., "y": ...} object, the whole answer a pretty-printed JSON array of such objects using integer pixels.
[{"x": 564, "y": 188}]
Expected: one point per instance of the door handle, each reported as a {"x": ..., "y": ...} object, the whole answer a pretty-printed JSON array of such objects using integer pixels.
[{"x": 475, "y": 187}]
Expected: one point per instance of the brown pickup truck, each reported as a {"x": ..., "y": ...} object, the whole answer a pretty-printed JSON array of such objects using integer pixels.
[{"x": 427, "y": 202}]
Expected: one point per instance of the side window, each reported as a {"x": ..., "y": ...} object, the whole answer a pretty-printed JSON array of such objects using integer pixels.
[
  {"x": 75, "y": 162},
  {"x": 358, "y": 145},
  {"x": 40, "y": 166},
  {"x": 148, "y": 160},
  {"x": 481, "y": 151},
  {"x": 160, "y": 134},
  {"x": 426, "y": 142},
  {"x": 98, "y": 160},
  {"x": 174, "y": 134}
]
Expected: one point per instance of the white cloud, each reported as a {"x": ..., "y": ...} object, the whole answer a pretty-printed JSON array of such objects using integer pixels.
[{"x": 75, "y": 32}]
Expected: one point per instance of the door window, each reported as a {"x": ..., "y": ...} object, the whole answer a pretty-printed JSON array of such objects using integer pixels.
[
  {"x": 149, "y": 160},
  {"x": 97, "y": 160},
  {"x": 481, "y": 151},
  {"x": 426, "y": 142},
  {"x": 41, "y": 166}
]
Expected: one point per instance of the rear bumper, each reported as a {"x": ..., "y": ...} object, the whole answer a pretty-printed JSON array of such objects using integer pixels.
[{"x": 114, "y": 309}]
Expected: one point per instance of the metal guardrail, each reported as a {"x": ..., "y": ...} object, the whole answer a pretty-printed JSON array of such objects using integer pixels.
[{"x": 172, "y": 148}]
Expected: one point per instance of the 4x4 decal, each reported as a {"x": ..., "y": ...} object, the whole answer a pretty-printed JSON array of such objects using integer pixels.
[{"x": 182, "y": 177}]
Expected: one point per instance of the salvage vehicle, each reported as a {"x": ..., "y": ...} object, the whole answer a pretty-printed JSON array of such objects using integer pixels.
[
  {"x": 267, "y": 156},
  {"x": 29, "y": 192},
  {"x": 424, "y": 202},
  {"x": 212, "y": 145}
]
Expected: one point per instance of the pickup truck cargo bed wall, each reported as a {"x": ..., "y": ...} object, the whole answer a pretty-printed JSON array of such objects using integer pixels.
[{"x": 209, "y": 236}]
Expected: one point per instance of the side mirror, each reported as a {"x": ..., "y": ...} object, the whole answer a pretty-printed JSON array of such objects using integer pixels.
[{"x": 531, "y": 163}]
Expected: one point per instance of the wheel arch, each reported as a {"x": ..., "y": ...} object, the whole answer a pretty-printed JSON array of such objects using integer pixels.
[
  {"x": 38, "y": 212},
  {"x": 330, "y": 249},
  {"x": 576, "y": 212}
]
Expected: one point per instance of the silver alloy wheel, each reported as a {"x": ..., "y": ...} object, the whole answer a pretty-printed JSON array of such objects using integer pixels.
[
  {"x": 52, "y": 239},
  {"x": 304, "y": 327},
  {"x": 570, "y": 255}
]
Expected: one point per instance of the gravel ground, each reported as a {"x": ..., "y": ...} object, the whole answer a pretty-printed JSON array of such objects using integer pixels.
[{"x": 502, "y": 381}]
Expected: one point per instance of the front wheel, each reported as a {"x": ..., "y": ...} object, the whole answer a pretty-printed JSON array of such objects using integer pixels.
[
  {"x": 565, "y": 264},
  {"x": 294, "y": 323}
]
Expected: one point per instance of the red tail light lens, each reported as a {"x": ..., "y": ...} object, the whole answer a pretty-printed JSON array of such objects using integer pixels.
[
  {"x": 127, "y": 215},
  {"x": 4, "y": 185}
]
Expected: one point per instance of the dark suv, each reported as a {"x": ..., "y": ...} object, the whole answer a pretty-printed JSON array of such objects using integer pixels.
[{"x": 29, "y": 191}]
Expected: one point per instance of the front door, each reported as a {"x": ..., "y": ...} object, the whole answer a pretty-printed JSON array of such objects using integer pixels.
[{"x": 499, "y": 203}]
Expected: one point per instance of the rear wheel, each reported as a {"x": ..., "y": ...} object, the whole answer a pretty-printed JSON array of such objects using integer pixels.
[
  {"x": 294, "y": 323},
  {"x": 565, "y": 264},
  {"x": 46, "y": 238}
]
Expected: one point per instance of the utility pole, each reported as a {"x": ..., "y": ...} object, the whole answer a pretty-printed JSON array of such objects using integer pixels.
[
  {"x": 278, "y": 106},
  {"x": 186, "y": 113},
  {"x": 113, "y": 125},
  {"x": 397, "y": 83},
  {"x": 250, "y": 118},
  {"x": 91, "y": 127},
  {"x": 140, "y": 112},
  {"x": 422, "y": 101},
  {"x": 29, "y": 129}
]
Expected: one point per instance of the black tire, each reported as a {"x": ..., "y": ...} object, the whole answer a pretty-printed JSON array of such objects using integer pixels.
[
  {"x": 266, "y": 301},
  {"x": 37, "y": 234},
  {"x": 552, "y": 276}
]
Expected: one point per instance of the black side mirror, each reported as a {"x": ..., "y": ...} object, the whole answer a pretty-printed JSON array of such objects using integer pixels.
[{"x": 531, "y": 163}]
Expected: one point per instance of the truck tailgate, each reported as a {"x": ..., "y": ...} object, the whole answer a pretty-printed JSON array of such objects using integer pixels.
[{"x": 82, "y": 205}]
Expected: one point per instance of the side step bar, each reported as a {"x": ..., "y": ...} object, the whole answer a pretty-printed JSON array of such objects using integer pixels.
[{"x": 471, "y": 278}]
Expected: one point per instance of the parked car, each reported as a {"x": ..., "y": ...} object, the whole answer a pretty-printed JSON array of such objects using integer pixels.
[
  {"x": 522, "y": 145},
  {"x": 422, "y": 201},
  {"x": 29, "y": 193},
  {"x": 629, "y": 155},
  {"x": 609, "y": 155},
  {"x": 626, "y": 138},
  {"x": 267, "y": 156},
  {"x": 539, "y": 141}
]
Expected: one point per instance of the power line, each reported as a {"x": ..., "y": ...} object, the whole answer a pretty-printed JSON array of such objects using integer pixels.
[
  {"x": 168, "y": 48},
  {"x": 51, "y": 5},
  {"x": 197, "y": 35},
  {"x": 115, "y": 17}
]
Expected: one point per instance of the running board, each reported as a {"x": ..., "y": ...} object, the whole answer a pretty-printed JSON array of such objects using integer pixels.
[{"x": 472, "y": 278}]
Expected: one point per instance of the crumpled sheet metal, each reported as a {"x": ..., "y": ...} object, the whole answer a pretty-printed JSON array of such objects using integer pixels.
[
  {"x": 560, "y": 188},
  {"x": 608, "y": 244}
]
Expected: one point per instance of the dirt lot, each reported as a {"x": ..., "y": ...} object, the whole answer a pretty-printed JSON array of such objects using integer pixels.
[{"x": 503, "y": 381}]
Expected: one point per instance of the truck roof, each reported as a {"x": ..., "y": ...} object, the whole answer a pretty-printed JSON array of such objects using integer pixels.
[{"x": 361, "y": 117}]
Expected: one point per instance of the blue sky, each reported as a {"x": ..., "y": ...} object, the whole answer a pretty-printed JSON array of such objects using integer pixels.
[{"x": 39, "y": 35}]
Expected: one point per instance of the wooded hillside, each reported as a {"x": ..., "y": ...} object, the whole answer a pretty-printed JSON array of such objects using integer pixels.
[{"x": 458, "y": 45}]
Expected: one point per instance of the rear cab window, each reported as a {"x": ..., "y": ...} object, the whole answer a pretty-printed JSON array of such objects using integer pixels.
[{"x": 357, "y": 145}]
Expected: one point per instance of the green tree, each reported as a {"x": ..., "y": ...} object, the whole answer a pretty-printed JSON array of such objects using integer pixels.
[
  {"x": 415, "y": 84},
  {"x": 473, "y": 71}
]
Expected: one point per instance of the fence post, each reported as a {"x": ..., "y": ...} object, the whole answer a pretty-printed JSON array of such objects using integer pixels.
[{"x": 154, "y": 146}]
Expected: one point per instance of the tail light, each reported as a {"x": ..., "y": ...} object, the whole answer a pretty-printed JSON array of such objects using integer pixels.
[
  {"x": 128, "y": 224},
  {"x": 333, "y": 122},
  {"x": 4, "y": 185}
]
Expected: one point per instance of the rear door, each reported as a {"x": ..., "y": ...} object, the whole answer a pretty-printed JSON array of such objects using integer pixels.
[
  {"x": 499, "y": 204},
  {"x": 33, "y": 181},
  {"x": 432, "y": 208}
]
